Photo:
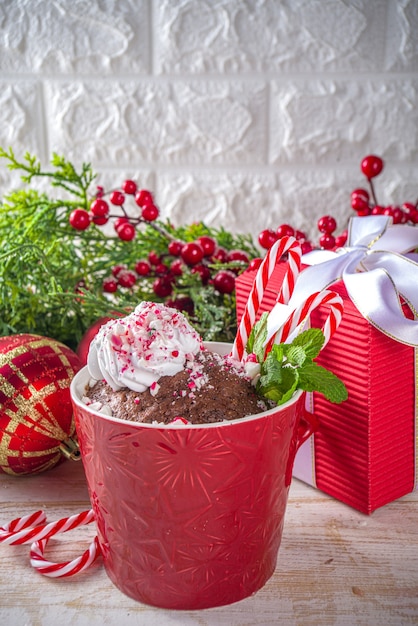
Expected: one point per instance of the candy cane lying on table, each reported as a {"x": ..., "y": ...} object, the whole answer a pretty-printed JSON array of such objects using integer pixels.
[
  {"x": 68, "y": 568},
  {"x": 283, "y": 245},
  {"x": 10, "y": 531},
  {"x": 301, "y": 313},
  {"x": 31, "y": 528}
]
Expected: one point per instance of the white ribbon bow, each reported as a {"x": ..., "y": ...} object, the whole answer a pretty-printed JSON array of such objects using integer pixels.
[{"x": 375, "y": 273}]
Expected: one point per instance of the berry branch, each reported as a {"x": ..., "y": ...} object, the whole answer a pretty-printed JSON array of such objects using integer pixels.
[
  {"x": 83, "y": 253},
  {"x": 62, "y": 267}
]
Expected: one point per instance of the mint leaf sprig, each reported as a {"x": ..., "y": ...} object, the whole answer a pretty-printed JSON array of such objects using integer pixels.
[{"x": 289, "y": 367}]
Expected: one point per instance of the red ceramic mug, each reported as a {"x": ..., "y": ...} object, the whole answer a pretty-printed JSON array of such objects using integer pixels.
[{"x": 190, "y": 516}]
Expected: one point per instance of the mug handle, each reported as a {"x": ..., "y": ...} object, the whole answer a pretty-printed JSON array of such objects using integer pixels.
[{"x": 307, "y": 425}]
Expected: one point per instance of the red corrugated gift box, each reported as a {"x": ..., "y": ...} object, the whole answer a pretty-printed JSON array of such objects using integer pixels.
[{"x": 364, "y": 452}]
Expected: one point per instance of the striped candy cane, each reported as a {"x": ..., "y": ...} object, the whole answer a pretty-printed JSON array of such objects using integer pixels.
[
  {"x": 68, "y": 568},
  {"x": 9, "y": 532},
  {"x": 300, "y": 314},
  {"x": 27, "y": 529},
  {"x": 31, "y": 528},
  {"x": 283, "y": 245}
]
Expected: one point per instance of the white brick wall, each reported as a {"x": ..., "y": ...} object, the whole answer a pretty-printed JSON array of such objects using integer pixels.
[{"x": 244, "y": 114}]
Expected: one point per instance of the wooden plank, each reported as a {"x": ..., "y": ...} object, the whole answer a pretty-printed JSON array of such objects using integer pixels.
[{"x": 336, "y": 566}]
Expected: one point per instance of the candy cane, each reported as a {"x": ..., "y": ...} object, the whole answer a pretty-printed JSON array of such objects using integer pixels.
[
  {"x": 10, "y": 530},
  {"x": 31, "y": 528},
  {"x": 21, "y": 530},
  {"x": 301, "y": 313},
  {"x": 68, "y": 568},
  {"x": 283, "y": 245}
]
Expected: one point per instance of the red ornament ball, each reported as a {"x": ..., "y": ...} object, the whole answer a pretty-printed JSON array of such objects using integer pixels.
[{"x": 36, "y": 416}]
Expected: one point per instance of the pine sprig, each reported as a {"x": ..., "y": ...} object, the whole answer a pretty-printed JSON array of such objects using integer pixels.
[{"x": 51, "y": 275}]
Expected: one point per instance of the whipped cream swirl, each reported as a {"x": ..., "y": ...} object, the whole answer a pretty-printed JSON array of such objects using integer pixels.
[{"x": 135, "y": 351}]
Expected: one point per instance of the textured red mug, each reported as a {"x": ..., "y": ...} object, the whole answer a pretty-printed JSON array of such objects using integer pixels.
[{"x": 190, "y": 516}]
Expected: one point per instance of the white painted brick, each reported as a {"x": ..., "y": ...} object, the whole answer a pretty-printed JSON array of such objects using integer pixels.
[
  {"x": 325, "y": 121},
  {"x": 244, "y": 114},
  {"x": 18, "y": 115},
  {"x": 197, "y": 36},
  {"x": 197, "y": 122},
  {"x": 249, "y": 203},
  {"x": 402, "y": 43},
  {"x": 239, "y": 202},
  {"x": 74, "y": 36}
]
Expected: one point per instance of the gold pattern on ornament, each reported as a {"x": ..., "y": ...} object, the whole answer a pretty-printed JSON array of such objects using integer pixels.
[
  {"x": 4, "y": 464},
  {"x": 57, "y": 350},
  {"x": 7, "y": 388},
  {"x": 4, "y": 450},
  {"x": 7, "y": 359},
  {"x": 29, "y": 416}
]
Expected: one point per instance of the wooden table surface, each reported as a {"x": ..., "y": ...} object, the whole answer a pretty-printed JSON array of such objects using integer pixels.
[{"x": 336, "y": 566}]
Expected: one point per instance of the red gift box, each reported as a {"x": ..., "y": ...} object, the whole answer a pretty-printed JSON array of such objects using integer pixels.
[{"x": 364, "y": 451}]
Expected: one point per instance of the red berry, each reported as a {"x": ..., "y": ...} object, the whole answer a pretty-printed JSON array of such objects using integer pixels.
[
  {"x": 300, "y": 235},
  {"x": 285, "y": 230},
  {"x": 176, "y": 267},
  {"x": 126, "y": 231},
  {"x": 220, "y": 255},
  {"x": 191, "y": 253},
  {"x": 388, "y": 210},
  {"x": 238, "y": 255},
  {"x": 118, "y": 268},
  {"x": 377, "y": 210},
  {"x": 306, "y": 247},
  {"x": 371, "y": 166},
  {"x": 362, "y": 193},
  {"x": 360, "y": 199},
  {"x": 326, "y": 224},
  {"x": 129, "y": 186},
  {"x": 161, "y": 269},
  {"x": 154, "y": 258},
  {"x": 126, "y": 278},
  {"x": 174, "y": 247},
  {"x": 411, "y": 212},
  {"x": 182, "y": 303},
  {"x": 99, "y": 207},
  {"x": 162, "y": 287},
  {"x": 408, "y": 207},
  {"x": 96, "y": 219},
  {"x": 117, "y": 198},
  {"x": 398, "y": 215},
  {"x": 208, "y": 244},
  {"x": 413, "y": 217},
  {"x": 150, "y": 212},
  {"x": 110, "y": 285},
  {"x": 267, "y": 238},
  {"x": 363, "y": 212},
  {"x": 204, "y": 272},
  {"x": 99, "y": 191},
  {"x": 327, "y": 241},
  {"x": 395, "y": 213},
  {"x": 119, "y": 221},
  {"x": 341, "y": 240},
  {"x": 142, "y": 268},
  {"x": 224, "y": 281},
  {"x": 254, "y": 264},
  {"x": 143, "y": 197},
  {"x": 79, "y": 219}
]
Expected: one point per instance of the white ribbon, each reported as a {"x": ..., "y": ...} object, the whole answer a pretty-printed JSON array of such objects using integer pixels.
[{"x": 375, "y": 271}]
